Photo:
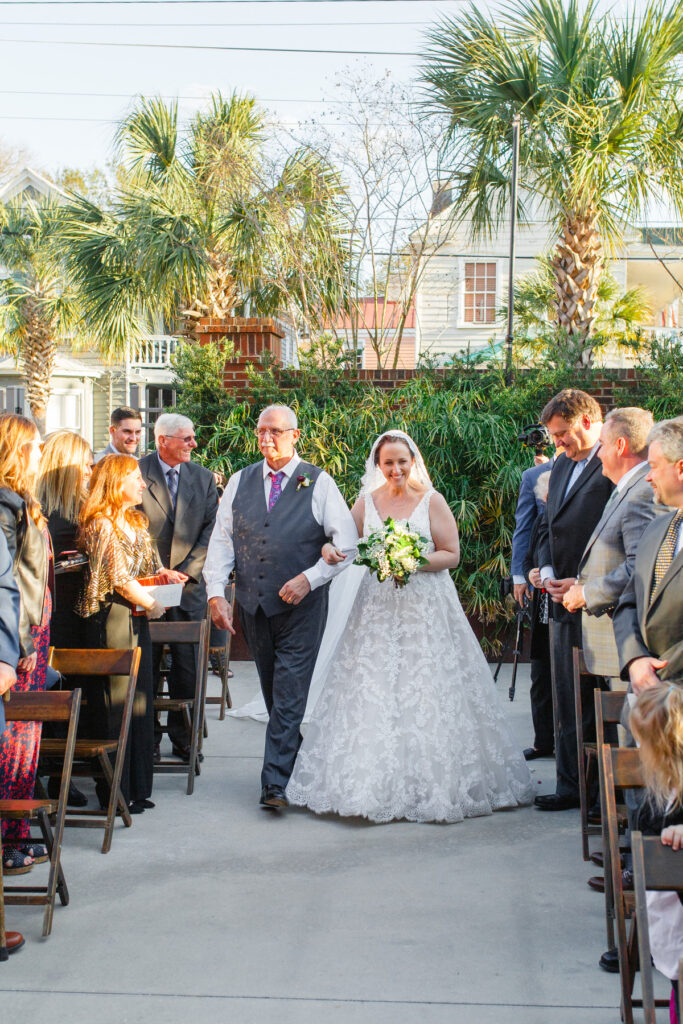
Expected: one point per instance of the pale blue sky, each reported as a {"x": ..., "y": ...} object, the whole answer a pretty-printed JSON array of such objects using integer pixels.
[{"x": 34, "y": 115}]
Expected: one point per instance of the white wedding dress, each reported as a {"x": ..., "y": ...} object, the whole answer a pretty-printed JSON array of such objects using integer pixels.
[{"x": 408, "y": 723}]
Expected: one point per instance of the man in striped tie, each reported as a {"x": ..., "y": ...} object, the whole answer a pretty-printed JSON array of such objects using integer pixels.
[{"x": 648, "y": 621}]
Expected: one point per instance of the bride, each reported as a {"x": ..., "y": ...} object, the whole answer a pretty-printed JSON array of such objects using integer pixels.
[{"x": 408, "y": 723}]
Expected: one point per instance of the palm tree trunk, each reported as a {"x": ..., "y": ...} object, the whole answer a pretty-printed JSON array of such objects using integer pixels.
[
  {"x": 577, "y": 264},
  {"x": 38, "y": 354},
  {"x": 219, "y": 301}
]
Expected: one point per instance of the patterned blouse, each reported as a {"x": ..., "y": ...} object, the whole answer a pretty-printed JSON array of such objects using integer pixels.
[{"x": 113, "y": 561}]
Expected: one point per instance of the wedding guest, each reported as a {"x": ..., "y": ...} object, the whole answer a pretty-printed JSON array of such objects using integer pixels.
[
  {"x": 180, "y": 502},
  {"x": 648, "y": 621},
  {"x": 577, "y": 496},
  {"x": 125, "y": 432},
  {"x": 28, "y": 541},
  {"x": 113, "y": 533},
  {"x": 9, "y": 656},
  {"x": 65, "y": 469},
  {"x": 527, "y": 514},
  {"x": 541, "y": 694},
  {"x": 657, "y": 723},
  {"x": 607, "y": 563}
]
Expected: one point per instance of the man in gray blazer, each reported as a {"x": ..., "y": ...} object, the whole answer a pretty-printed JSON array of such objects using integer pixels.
[
  {"x": 648, "y": 621},
  {"x": 610, "y": 554},
  {"x": 181, "y": 502}
]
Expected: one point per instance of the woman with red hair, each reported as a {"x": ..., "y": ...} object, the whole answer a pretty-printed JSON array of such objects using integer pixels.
[
  {"x": 113, "y": 533},
  {"x": 25, "y": 529}
]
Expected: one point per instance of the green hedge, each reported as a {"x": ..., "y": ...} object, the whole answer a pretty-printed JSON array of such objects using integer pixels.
[{"x": 466, "y": 424}]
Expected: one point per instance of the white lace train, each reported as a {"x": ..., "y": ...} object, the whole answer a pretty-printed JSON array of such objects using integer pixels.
[{"x": 409, "y": 723}]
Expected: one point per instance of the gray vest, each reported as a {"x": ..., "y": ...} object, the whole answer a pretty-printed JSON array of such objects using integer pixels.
[{"x": 273, "y": 547}]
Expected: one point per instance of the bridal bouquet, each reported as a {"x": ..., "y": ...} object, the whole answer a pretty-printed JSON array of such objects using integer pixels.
[{"x": 393, "y": 553}]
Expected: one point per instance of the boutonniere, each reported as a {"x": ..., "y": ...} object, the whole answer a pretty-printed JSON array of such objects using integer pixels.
[{"x": 303, "y": 481}]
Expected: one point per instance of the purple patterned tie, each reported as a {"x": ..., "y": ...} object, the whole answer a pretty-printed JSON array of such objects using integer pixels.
[{"x": 275, "y": 489}]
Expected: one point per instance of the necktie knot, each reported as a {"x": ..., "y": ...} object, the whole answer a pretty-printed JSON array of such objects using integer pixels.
[
  {"x": 275, "y": 488},
  {"x": 665, "y": 555}
]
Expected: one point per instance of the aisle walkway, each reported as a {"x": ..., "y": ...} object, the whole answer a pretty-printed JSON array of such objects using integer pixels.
[{"x": 210, "y": 909}]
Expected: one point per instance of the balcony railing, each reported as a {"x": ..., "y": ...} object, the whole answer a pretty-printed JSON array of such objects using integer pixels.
[{"x": 155, "y": 351}]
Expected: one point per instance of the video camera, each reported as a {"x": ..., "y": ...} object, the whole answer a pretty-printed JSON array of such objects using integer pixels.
[{"x": 535, "y": 436}]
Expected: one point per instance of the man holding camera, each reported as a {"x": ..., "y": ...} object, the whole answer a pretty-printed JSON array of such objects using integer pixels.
[
  {"x": 529, "y": 508},
  {"x": 577, "y": 496}
]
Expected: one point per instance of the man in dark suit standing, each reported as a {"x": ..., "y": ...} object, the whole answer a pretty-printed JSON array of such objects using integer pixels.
[
  {"x": 180, "y": 502},
  {"x": 577, "y": 495},
  {"x": 648, "y": 621},
  {"x": 9, "y": 656}
]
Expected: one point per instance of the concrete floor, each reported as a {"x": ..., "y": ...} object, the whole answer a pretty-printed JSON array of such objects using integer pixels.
[{"x": 210, "y": 909}]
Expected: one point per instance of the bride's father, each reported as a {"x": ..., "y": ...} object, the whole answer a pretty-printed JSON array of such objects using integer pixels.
[{"x": 272, "y": 522}]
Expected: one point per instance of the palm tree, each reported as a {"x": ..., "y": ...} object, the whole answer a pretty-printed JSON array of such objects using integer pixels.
[
  {"x": 601, "y": 127},
  {"x": 37, "y": 308},
  {"x": 200, "y": 230},
  {"x": 617, "y": 321}
]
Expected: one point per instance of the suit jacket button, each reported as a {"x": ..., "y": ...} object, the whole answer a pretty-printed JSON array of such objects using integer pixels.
[{"x": 260, "y": 575}]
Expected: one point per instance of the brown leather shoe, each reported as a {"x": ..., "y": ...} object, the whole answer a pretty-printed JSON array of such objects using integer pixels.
[
  {"x": 15, "y": 940},
  {"x": 597, "y": 883}
]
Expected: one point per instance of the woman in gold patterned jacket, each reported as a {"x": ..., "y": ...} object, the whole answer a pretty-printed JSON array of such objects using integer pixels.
[{"x": 113, "y": 534}]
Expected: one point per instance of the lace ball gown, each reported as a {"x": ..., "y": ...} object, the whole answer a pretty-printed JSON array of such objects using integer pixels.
[{"x": 409, "y": 723}]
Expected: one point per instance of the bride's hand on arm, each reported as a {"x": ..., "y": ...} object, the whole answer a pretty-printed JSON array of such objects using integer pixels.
[
  {"x": 445, "y": 536},
  {"x": 332, "y": 555}
]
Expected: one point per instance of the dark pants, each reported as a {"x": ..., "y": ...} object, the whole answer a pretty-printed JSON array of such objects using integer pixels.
[
  {"x": 114, "y": 626},
  {"x": 566, "y": 636},
  {"x": 182, "y": 679},
  {"x": 542, "y": 704},
  {"x": 285, "y": 647}
]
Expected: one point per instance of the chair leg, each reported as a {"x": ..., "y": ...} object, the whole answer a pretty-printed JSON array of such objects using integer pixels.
[
  {"x": 115, "y": 800},
  {"x": 4, "y": 954},
  {"x": 55, "y": 877}
]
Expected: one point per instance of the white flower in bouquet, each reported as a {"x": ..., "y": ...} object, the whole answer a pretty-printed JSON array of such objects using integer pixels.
[{"x": 394, "y": 552}]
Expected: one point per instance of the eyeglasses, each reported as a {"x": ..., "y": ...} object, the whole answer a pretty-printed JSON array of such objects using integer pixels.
[{"x": 275, "y": 433}]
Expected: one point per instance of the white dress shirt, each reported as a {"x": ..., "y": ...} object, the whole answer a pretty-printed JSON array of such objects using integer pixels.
[{"x": 329, "y": 510}]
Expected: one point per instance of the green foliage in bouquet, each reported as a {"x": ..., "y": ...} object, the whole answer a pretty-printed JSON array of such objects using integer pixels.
[{"x": 393, "y": 553}]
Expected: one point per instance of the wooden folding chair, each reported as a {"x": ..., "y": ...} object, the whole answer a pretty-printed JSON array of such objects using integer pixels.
[
  {"x": 192, "y": 708},
  {"x": 620, "y": 767},
  {"x": 660, "y": 869},
  {"x": 608, "y": 708},
  {"x": 44, "y": 706},
  {"x": 586, "y": 754},
  {"x": 92, "y": 758},
  {"x": 223, "y": 653}
]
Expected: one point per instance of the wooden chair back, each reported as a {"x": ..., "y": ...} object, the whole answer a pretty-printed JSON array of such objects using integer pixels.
[
  {"x": 93, "y": 664},
  {"x": 655, "y": 868},
  {"x": 197, "y": 633},
  {"x": 619, "y": 767},
  {"x": 585, "y": 753},
  {"x": 49, "y": 706},
  {"x": 40, "y": 706}
]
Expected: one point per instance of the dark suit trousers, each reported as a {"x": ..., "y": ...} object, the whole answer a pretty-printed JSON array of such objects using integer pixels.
[
  {"x": 566, "y": 636},
  {"x": 542, "y": 704},
  {"x": 182, "y": 679},
  {"x": 285, "y": 647}
]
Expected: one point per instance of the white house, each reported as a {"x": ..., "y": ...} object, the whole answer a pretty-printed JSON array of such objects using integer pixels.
[{"x": 464, "y": 283}]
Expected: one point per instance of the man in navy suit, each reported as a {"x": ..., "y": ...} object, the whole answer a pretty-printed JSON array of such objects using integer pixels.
[
  {"x": 529, "y": 508},
  {"x": 9, "y": 656}
]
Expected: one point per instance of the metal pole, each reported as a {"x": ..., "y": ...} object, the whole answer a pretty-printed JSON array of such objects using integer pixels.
[{"x": 511, "y": 267}]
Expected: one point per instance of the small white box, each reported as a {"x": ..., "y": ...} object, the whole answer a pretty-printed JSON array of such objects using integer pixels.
[{"x": 169, "y": 595}]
